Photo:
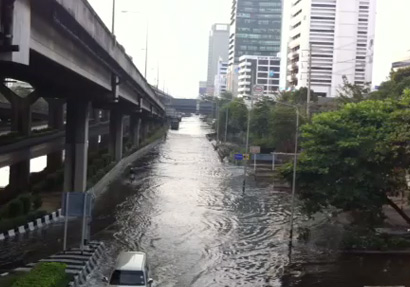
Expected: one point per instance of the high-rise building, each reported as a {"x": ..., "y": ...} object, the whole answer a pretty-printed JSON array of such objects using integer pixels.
[
  {"x": 255, "y": 30},
  {"x": 402, "y": 62},
  {"x": 220, "y": 78},
  {"x": 339, "y": 36},
  {"x": 202, "y": 89},
  {"x": 218, "y": 48},
  {"x": 258, "y": 70}
]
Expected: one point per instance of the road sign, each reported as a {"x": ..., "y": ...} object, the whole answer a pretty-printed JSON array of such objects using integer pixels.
[
  {"x": 246, "y": 156},
  {"x": 79, "y": 204},
  {"x": 239, "y": 156},
  {"x": 258, "y": 89},
  {"x": 255, "y": 149}
]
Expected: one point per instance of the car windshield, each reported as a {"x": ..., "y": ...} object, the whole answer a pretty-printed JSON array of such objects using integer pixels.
[{"x": 133, "y": 278}]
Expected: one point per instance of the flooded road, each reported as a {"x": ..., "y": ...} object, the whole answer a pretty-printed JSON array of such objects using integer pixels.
[{"x": 187, "y": 211}]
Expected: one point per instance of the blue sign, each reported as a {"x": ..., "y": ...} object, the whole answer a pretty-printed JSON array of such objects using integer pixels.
[
  {"x": 76, "y": 201},
  {"x": 238, "y": 156},
  {"x": 271, "y": 74}
]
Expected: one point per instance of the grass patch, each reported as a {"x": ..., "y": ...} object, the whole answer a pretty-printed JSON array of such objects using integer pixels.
[
  {"x": 8, "y": 281},
  {"x": 48, "y": 274}
]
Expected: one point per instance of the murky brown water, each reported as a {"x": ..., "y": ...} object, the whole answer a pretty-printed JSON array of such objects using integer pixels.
[{"x": 186, "y": 210}]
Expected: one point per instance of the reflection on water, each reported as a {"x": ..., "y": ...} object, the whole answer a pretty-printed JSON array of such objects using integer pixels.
[
  {"x": 188, "y": 212},
  {"x": 36, "y": 165}
]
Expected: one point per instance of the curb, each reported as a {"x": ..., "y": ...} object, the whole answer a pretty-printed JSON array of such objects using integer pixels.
[
  {"x": 79, "y": 263},
  {"x": 32, "y": 225}
]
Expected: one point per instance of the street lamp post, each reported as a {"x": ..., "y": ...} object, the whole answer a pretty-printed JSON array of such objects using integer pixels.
[
  {"x": 226, "y": 123},
  {"x": 292, "y": 213},
  {"x": 146, "y": 37},
  {"x": 245, "y": 166},
  {"x": 113, "y": 18}
]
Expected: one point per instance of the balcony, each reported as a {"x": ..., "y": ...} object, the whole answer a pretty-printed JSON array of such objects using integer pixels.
[
  {"x": 244, "y": 77},
  {"x": 292, "y": 78},
  {"x": 293, "y": 67},
  {"x": 294, "y": 43},
  {"x": 293, "y": 55}
]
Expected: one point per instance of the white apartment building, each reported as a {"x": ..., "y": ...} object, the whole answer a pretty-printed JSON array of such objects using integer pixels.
[
  {"x": 339, "y": 34},
  {"x": 221, "y": 78},
  {"x": 258, "y": 70}
]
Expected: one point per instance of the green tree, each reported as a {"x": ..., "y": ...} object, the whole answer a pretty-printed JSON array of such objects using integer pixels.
[
  {"x": 261, "y": 121},
  {"x": 238, "y": 116},
  {"x": 353, "y": 158},
  {"x": 395, "y": 86},
  {"x": 297, "y": 97},
  {"x": 352, "y": 93},
  {"x": 283, "y": 128}
]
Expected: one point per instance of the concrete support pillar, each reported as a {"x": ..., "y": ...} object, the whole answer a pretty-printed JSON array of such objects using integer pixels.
[
  {"x": 76, "y": 150},
  {"x": 20, "y": 109},
  {"x": 19, "y": 178},
  {"x": 144, "y": 129},
  {"x": 55, "y": 121},
  {"x": 116, "y": 134},
  {"x": 93, "y": 143},
  {"x": 135, "y": 127},
  {"x": 105, "y": 140},
  {"x": 96, "y": 115},
  {"x": 55, "y": 113},
  {"x": 105, "y": 115}
]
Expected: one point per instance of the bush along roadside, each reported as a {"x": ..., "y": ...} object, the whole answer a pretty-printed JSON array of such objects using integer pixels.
[
  {"x": 19, "y": 211},
  {"x": 44, "y": 275},
  {"x": 367, "y": 239}
]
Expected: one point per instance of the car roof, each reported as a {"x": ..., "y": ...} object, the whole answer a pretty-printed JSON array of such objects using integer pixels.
[{"x": 131, "y": 261}]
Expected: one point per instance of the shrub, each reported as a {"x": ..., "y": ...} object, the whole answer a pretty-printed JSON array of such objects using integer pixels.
[
  {"x": 11, "y": 223},
  {"x": 15, "y": 208},
  {"x": 37, "y": 188},
  {"x": 99, "y": 175},
  {"x": 26, "y": 202},
  {"x": 37, "y": 201},
  {"x": 34, "y": 215},
  {"x": 44, "y": 275}
]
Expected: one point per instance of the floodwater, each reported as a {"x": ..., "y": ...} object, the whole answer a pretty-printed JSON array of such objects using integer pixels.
[{"x": 187, "y": 211}]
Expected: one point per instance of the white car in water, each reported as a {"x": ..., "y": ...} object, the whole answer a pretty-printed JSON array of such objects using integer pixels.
[{"x": 131, "y": 270}]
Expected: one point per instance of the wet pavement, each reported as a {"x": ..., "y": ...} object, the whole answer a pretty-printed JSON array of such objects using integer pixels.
[{"x": 187, "y": 211}]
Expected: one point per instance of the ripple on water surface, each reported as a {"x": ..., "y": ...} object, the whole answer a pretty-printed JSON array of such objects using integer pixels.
[{"x": 190, "y": 215}]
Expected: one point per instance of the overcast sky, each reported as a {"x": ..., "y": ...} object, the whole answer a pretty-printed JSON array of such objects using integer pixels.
[{"x": 179, "y": 29}]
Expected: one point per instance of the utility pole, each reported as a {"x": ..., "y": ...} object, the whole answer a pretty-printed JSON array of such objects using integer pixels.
[
  {"x": 245, "y": 166},
  {"x": 113, "y": 17},
  {"x": 226, "y": 123},
  {"x": 146, "y": 51},
  {"x": 158, "y": 76},
  {"x": 309, "y": 81}
]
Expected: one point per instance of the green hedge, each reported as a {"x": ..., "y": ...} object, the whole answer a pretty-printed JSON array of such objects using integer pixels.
[
  {"x": 17, "y": 207},
  {"x": 11, "y": 223},
  {"x": 44, "y": 275}
]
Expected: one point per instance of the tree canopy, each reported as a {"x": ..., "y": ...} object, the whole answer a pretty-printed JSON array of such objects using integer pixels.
[{"x": 354, "y": 157}]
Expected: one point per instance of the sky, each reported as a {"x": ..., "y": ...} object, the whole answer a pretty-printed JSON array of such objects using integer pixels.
[{"x": 178, "y": 32}]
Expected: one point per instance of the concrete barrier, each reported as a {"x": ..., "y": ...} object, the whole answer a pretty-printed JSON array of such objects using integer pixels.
[
  {"x": 39, "y": 222},
  {"x": 11, "y": 233},
  {"x": 31, "y": 226},
  {"x": 21, "y": 229}
]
